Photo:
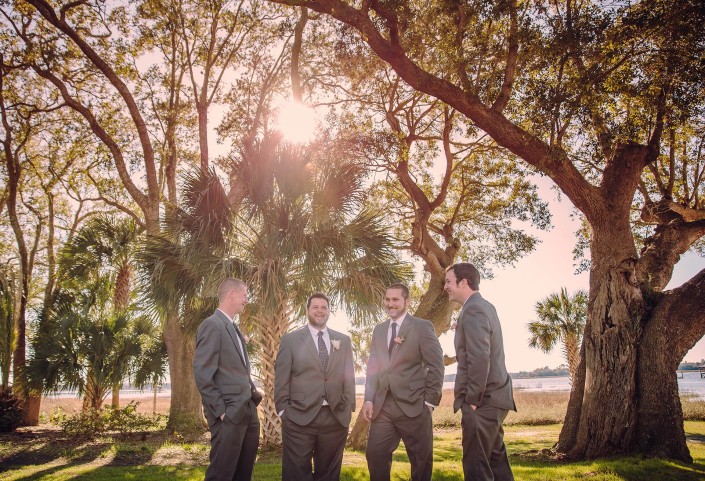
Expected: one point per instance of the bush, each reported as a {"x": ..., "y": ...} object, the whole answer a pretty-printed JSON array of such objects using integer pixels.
[
  {"x": 10, "y": 411},
  {"x": 128, "y": 420},
  {"x": 108, "y": 419}
]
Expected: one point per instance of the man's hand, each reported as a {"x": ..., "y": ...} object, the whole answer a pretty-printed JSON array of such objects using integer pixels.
[
  {"x": 430, "y": 408},
  {"x": 473, "y": 407},
  {"x": 367, "y": 409}
]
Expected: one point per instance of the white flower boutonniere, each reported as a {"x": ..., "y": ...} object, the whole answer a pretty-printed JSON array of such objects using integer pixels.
[{"x": 335, "y": 343}]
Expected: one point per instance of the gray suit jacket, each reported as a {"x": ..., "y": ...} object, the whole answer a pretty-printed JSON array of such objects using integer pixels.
[
  {"x": 482, "y": 377},
  {"x": 301, "y": 383},
  {"x": 413, "y": 373},
  {"x": 222, "y": 373}
]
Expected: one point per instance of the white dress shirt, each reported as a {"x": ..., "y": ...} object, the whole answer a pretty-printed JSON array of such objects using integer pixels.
[
  {"x": 389, "y": 330},
  {"x": 239, "y": 341},
  {"x": 326, "y": 339},
  {"x": 389, "y": 339},
  {"x": 314, "y": 334}
]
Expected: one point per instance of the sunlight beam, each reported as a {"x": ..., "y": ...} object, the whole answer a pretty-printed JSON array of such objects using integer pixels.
[{"x": 296, "y": 122}]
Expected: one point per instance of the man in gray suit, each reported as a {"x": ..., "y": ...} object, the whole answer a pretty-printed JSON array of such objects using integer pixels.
[
  {"x": 483, "y": 388},
  {"x": 404, "y": 383},
  {"x": 222, "y": 371},
  {"x": 314, "y": 393}
]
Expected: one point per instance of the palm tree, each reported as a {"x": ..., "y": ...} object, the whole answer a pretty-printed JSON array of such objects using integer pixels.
[
  {"x": 104, "y": 246},
  {"x": 150, "y": 367},
  {"x": 83, "y": 344},
  {"x": 561, "y": 318},
  {"x": 179, "y": 271},
  {"x": 298, "y": 227}
]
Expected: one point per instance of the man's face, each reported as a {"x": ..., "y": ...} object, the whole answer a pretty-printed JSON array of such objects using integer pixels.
[
  {"x": 238, "y": 300},
  {"x": 394, "y": 303},
  {"x": 318, "y": 312},
  {"x": 456, "y": 292}
]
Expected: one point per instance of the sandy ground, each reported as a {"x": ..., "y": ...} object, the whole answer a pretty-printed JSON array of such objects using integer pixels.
[{"x": 72, "y": 405}]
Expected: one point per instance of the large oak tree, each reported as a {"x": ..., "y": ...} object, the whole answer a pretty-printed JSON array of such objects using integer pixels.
[{"x": 607, "y": 102}]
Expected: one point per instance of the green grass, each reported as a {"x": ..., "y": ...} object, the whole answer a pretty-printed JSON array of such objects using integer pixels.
[{"x": 153, "y": 459}]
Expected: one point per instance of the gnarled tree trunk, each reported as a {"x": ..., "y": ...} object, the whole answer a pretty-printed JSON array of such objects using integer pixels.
[
  {"x": 660, "y": 425},
  {"x": 606, "y": 423}
]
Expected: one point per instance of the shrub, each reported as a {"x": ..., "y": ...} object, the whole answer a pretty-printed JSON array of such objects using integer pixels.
[
  {"x": 108, "y": 419},
  {"x": 10, "y": 411},
  {"x": 128, "y": 420}
]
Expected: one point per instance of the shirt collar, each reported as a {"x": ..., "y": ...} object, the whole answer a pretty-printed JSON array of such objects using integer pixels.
[
  {"x": 226, "y": 315},
  {"x": 314, "y": 332},
  {"x": 398, "y": 321}
]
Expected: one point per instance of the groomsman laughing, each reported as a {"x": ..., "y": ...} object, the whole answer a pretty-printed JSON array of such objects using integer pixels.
[
  {"x": 404, "y": 384},
  {"x": 314, "y": 394}
]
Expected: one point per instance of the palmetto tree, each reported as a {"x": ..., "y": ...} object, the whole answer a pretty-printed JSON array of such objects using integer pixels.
[
  {"x": 561, "y": 319},
  {"x": 105, "y": 246},
  {"x": 298, "y": 226},
  {"x": 84, "y": 344}
]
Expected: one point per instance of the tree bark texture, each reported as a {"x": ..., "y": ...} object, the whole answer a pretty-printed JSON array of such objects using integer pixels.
[
  {"x": 93, "y": 392},
  {"x": 660, "y": 424},
  {"x": 268, "y": 338},
  {"x": 115, "y": 395},
  {"x": 357, "y": 439},
  {"x": 608, "y": 412},
  {"x": 185, "y": 408},
  {"x": 571, "y": 345}
]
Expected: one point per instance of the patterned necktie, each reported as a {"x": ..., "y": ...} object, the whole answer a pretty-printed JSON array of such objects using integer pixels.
[
  {"x": 322, "y": 351},
  {"x": 394, "y": 335}
]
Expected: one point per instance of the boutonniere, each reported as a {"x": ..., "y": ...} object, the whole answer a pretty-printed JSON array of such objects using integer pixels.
[
  {"x": 399, "y": 340},
  {"x": 246, "y": 338},
  {"x": 335, "y": 343}
]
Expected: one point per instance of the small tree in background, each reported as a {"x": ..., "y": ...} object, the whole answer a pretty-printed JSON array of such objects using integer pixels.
[
  {"x": 561, "y": 319},
  {"x": 8, "y": 299}
]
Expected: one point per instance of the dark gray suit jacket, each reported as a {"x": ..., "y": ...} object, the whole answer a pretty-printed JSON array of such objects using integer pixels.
[
  {"x": 222, "y": 373},
  {"x": 482, "y": 377},
  {"x": 301, "y": 383},
  {"x": 413, "y": 373}
]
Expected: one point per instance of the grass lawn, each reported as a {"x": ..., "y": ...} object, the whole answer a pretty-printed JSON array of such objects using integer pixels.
[{"x": 50, "y": 455}]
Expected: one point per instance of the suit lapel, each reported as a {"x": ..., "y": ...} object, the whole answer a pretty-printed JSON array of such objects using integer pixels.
[
  {"x": 470, "y": 300},
  {"x": 332, "y": 335},
  {"x": 230, "y": 328},
  {"x": 381, "y": 343}
]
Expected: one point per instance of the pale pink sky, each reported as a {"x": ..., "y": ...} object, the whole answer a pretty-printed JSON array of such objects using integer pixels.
[{"x": 515, "y": 290}]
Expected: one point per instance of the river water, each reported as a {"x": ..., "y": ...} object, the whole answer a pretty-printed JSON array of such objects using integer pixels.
[{"x": 691, "y": 383}]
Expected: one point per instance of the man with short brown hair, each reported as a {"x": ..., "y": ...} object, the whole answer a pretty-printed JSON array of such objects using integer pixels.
[
  {"x": 483, "y": 388},
  {"x": 314, "y": 393},
  {"x": 403, "y": 385}
]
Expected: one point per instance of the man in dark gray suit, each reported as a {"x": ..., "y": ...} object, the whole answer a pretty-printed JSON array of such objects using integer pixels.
[
  {"x": 404, "y": 383},
  {"x": 222, "y": 371},
  {"x": 314, "y": 393},
  {"x": 483, "y": 388}
]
